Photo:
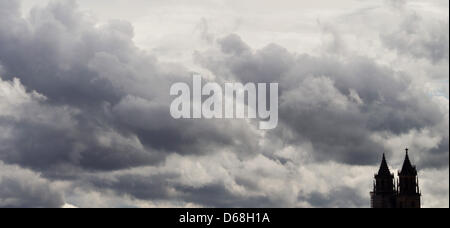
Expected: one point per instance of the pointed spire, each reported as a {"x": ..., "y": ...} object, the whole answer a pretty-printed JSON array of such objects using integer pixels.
[
  {"x": 384, "y": 169},
  {"x": 407, "y": 168}
]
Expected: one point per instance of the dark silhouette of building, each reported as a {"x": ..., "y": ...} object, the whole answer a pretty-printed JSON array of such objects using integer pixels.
[
  {"x": 404, "y": 194},
  {"x": 384, "y": 193},
  {"x": 408, "y": 187}
]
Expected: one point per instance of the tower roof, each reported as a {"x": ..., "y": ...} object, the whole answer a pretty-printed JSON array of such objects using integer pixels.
[
  {"x": 384, "y": 169},
  {"x": 408, "y": 169}
]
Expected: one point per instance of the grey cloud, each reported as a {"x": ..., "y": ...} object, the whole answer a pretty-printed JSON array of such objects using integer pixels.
[
  {"x": 114, "y": 89},
  {"x": 233, "y": 44},
  {"x": 14, "y": 193},
  {"x": 151, "y": 187},
  {"x": 21, "y": 188},
  {"x": 436, "y": 157},
  {"x": 101, "y": 104},
  {"x": 156, "y": 128},
  {"x": 217, "y": 195},
  {"x": 420, "y": 39},
  {"x": 60, "y": 151},
  {"x": 341, "y": 197},
  {"x": 335, "y": 105},
  {"x": 238, "y": 61},
  {"x": 55, "y": 52},
  {"x": 162, "y": 187}
]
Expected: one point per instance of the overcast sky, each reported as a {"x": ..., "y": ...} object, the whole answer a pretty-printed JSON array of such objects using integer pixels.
[{"x": 84, "y": 101}]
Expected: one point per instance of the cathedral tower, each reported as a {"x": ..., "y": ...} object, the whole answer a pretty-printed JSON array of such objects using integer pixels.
[
  {"x": 383, "y": 194},
  {"x": 408, "y": 186},
  {"x": 386, "y": 194}
]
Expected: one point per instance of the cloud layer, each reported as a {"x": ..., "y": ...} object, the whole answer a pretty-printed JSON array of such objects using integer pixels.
[{"x": 84, "y": 113}]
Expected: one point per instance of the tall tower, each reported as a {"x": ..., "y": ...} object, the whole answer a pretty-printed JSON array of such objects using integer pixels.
[
  {"x": 383, "y": 194},
  {"x": 408, "y": 186}
]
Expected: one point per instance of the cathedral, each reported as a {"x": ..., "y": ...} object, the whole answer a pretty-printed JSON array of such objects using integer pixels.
[{"x": 402, "y": 193}]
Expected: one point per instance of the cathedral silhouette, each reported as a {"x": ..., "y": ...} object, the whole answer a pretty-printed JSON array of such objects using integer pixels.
[{"x": 403, "y": 194}]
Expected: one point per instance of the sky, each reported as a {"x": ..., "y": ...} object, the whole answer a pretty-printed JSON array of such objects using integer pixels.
[{"x": 84, "y": 101}]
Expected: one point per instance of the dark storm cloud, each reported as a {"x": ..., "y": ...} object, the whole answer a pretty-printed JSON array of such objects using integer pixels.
[
  {"x": 156, "y": 128},
  {"x": 335, "y": 105},
  {"x": 113, "y": 87},
  {"x": 436, "y": 157},
  {"x": 56, "y": 148},
  {"x": 55, "y": 52}
]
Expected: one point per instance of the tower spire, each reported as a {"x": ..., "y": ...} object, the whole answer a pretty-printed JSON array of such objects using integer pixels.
[
  {"x": 403, "y": 194},
  {"x": 409, "y": 192},
  {"x": 383, "y": 194},
  {"x": 384, "y": 168},
  {"x": 408, "y": 168}
]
